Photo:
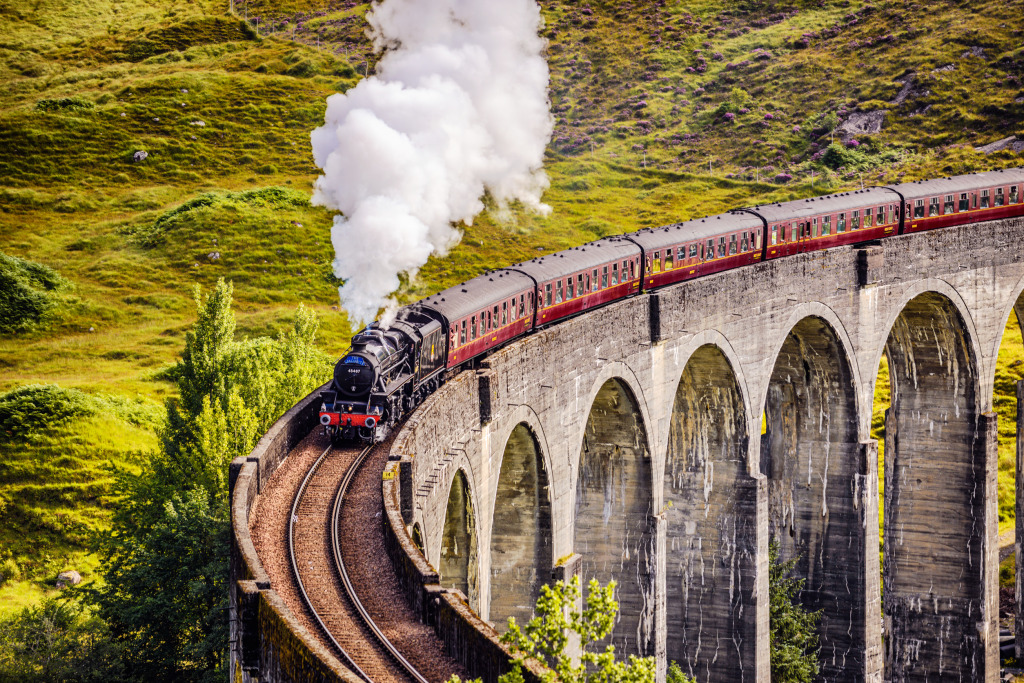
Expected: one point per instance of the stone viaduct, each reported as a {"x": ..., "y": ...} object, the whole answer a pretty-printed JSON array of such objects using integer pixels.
[{"x": 662, "y": 442}]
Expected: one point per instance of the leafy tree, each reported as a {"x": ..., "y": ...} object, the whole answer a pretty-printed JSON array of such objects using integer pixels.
[
  {"x": 546, "y": 638},
  {"x": 165, "y": 596},
  {"x": 793, "y": 630},
  {"x": 57, "y": 640}
]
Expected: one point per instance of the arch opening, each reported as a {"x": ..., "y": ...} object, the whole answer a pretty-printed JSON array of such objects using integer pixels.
[
  {"x": 817, "y": 482},
  {"x": 935, "y": 449},
  {"x": 459, "y": 566},
  {"x": 614, "y": 524},
  {"x": 521, "y": 558},
  {"x": 711, "y": 529}
]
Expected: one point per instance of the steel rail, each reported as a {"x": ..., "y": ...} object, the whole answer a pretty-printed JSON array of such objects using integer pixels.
[
  {"x": 348, "y": 661},
  {"x": 340, "y": 566}
]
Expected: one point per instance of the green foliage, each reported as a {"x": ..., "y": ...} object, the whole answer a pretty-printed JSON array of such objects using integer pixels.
[
  {"x": 545, "y": 638},
  {"x": 56, "y": 641},
  {"x": 167, "y": 568},
  {"x": 793, "y": 631},
  {"x": 62, "y": 103},
  {"x": 166, "y": 594},
  {"x": 28, "y": 294}
]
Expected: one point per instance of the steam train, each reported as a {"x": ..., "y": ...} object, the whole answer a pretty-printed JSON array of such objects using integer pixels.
[{"x": 388, "y": 372}]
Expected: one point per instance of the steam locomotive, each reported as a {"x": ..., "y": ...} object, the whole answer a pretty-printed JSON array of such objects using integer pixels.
[{"x": 388, "y": 372}]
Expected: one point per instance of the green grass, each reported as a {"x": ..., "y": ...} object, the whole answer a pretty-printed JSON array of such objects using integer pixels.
[{"x": 225, "y": 114}]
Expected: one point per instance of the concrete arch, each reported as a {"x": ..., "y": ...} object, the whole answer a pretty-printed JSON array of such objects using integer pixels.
[
  {"x": 895, "y": 308},
  {"x": 614, "y": 524},
  {"x": 732, "y": 357},
  {"x": 814, "y": 309},
  {"x": 459, "y": 562},
  {"x": 711, "y": 523},
  {"x": 521, "y": 543},
  {"x": 939, "y": 450},
  {"x": 622, "y": 372},
  {"x": 1015, "y": 303},
  {"x": 811, "y": 455}
]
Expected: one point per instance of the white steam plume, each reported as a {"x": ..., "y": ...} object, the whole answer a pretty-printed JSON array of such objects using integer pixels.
[{"x": 458, "y": 106}]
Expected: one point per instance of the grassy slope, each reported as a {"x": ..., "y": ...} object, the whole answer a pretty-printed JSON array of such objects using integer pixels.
[{"x": 633, "y": 139}]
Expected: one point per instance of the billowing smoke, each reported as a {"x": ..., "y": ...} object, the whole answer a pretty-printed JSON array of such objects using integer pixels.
[{"x": 458, "y": 106}]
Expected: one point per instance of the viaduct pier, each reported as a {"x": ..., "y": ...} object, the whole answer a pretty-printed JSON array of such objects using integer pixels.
[{"x": 662, "y": 441}]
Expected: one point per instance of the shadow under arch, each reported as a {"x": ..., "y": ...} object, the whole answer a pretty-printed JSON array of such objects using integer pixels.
[
  {"x": 940, "y": 463},
  {"x": 813, "y": 460},
  {"x": 459, "y": 565},
  {"x": 521, "y": 541},
  {"x": 614, "y": 523},
  {"x": 711, "y": 529}
]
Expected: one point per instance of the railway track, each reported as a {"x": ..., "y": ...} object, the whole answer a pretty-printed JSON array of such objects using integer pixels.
[{"x": 315, "y": 542}]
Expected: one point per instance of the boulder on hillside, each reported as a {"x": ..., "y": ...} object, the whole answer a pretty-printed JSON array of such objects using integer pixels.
[
  {"x": 68, "y": 578},
  {"x": 862, "y": 123}
]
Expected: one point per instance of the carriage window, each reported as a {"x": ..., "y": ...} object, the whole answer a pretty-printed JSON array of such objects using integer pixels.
[
  {"x": 595, "y": 281},
  {"x": 755, "y": 238},
  {"x": 604, "y": 277},
  {"x": 775, "y": 235},
  {"x": 855, "y": 220},
  {"x": 547, "y": 294},
  {"x": 721, "y": 246},
  {"x": 744, "y": 245},
  {"x": 473, "y": 330},
  {"x": 881, "y": 216},
  {"x": 826, "y": 225},
  {"x": 948, "y": 206},
  {"x": 588, "y": 285},
  {"x": 933, "y": 206},
  {"x": 680, "y": 255},
  {"x": 732, "y": 244},
  {"x": 1014, "y": 195},
  {"x": 615, "y": 273},
  {"x": 668, "y": 259},
  {"x": 841, "y": 223},
  {"x": 693, "y": 250},
  {"x": 462, "y": 333},
  {"x": 522, "y": 304},
  {"x": 504, "y": 313},
  {"x": 867, "y": 218},
  {"x": 570, "y": 288},
  {"x": 579, "y": 285},
  {"x": 999, "y": 196},
  {"x": 558, "y": 292},
  {"x": 632, "y": 270},
  {"x": 655, "y": 265},
  {"x": 984, "y": 199},
  {"x": 919, "y": 208},
  {"x": 965, "y": 204}
]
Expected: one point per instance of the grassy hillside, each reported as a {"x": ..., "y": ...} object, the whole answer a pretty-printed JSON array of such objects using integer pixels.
[{"x": 648, "y": 96}]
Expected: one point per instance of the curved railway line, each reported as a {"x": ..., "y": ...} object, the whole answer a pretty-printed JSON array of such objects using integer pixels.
[{"x": 319, "y": 533}]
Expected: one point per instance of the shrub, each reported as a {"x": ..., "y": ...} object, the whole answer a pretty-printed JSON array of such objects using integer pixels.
[
  {"x": 28, "y": 294},
  {"x": 62, "y": 103}
]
